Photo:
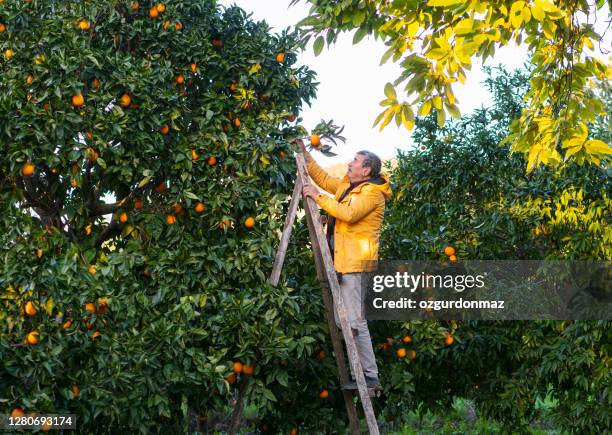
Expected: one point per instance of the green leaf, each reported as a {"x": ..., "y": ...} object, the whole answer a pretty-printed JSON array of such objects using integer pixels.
[
  {"x": 360, "y": 34},
  {"x": 318, "y": 45}
]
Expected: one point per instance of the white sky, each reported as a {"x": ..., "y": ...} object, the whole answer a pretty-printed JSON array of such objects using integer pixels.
[{"x": 352, "y": 81}]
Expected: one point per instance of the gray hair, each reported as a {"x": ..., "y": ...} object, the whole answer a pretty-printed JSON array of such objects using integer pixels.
[{"x": 371, "y": 161}]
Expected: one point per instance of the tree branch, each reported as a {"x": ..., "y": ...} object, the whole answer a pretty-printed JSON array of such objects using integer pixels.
[{"x": 102, "y": 209}]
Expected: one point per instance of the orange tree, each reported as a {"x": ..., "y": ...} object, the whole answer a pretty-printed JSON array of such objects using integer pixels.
[
  {"x": 145, "y": 172},
  {"x": 459, "y": 191}
]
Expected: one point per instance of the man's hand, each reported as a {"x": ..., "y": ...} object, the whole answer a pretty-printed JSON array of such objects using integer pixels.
[{"x": 310, "y": 190}]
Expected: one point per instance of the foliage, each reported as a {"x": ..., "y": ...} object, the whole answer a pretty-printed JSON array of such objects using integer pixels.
[
  {"x": 461, "y": 189},
  {"x": 144, "y": 170},
  {"x": 436, "y": 41}
]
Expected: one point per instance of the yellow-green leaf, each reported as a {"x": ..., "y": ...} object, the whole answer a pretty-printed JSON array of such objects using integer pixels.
[
  {"x": 441, "y": 118},
  {"x": 596, "y": 146},
  {"x": 437, "y": 102},
  {"x": 437, "y": 53},
  {"x": 570, "y": 152},
  {"x": 425, "y": 108},
  {"x": 464, "y": 26},
  {"x": 537, "y": 10},
  {"x": 443, "y": 3},
  {"x": 390, "y": 91}
]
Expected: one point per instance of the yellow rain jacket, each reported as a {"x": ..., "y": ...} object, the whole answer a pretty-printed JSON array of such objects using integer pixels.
[{"x": 359, "y": 216}]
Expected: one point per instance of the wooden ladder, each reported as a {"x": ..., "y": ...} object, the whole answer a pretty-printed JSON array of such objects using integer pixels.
[{"x": 329, "y": 282}]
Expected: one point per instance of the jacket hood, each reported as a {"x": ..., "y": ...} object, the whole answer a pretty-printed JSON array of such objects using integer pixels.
[{"x": 381, "y": 183}]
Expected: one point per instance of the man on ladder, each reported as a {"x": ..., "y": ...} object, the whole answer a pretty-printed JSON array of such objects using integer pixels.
[{"x": 353, "y": 229}]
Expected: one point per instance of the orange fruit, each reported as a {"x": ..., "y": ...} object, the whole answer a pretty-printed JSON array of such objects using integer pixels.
[
  {"x": 412, "y": 355},
  {"x": 180, "y": 79},
  {"x": 237, "y": 122},
  {"x": 315, "y": 140},
  {"x": 2, "y": 28},
  {"x": 153, "y": 13},
  {"x": 248, "y": 370},
  {"x": 291, "y": 118},
  {"x": 449, "y": 251},
  {"x": 39, "y": 252},
  {"x": 123, "y": 218},
  {"x": 407, "y": 339},
  {"x": 280, "y": 57},
  {"x": 161, "y": 8},
  {"x": 135, "y": 6},
  {"x": 75, "y": 390},
  {"x": 138, "y": 204},
  {"x": 178, "y": 208},
  {"x": 165, "y": 24},
  {"x": 96, "y": 334},
  {"x": 32, "y": 338},
  {"x": 170, "y": 219},
  {"x": 8, "y": 53},
  {"x": 17, "y": 412},
  {"x": 194, "y": 156},
  {"x": 321, "y": 355},
  {"x": 78, "y": 100},
  {"x": 293, "y": 431},
  {"x": 178, "y": 25},
  {"x": 282, "y": 154},
  {"x": 194, "y": 67},
  {"x": 164, "y": 129},
  {"x": 95, "y": 84},
  {"x": 389, "y": 341},
  {"x": 84, "y": 24},
  {"x": 324, "y": 394},
  {"x": 92, "y": 269},
  {"x": 28, "y": 169},
  {"x": 237, "y": 367},
  {"x": 200, "y": 207},
  {"x": 448, "y": 340},
  {"x": 212, "y": 161},
  {"x": 30, "y": 309},
  {"x": 161, "y": 187},
  {"x": 231, "y": 379},
  {"x": 89, "y": 134},
  {"x": 401, "y": 353},
  {"x": 90, "y": 308},
  {"x": 46, "y": 106},
  {"x": 67, "y": 324},
  {"x": 125, "y": 101},
  {"x": 29, "y": 79},
  {"x": 249, "y": 222},
  {"x": 225, "y": 224},
  {"x": 453, "y": 258},
  {"x": 102, "y": 305},
  {"x": 91, "y": 154},
  {"x": 217, "y": 42}
]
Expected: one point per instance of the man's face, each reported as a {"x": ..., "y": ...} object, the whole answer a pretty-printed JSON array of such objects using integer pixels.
[{"x": 356, "y": 170}]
